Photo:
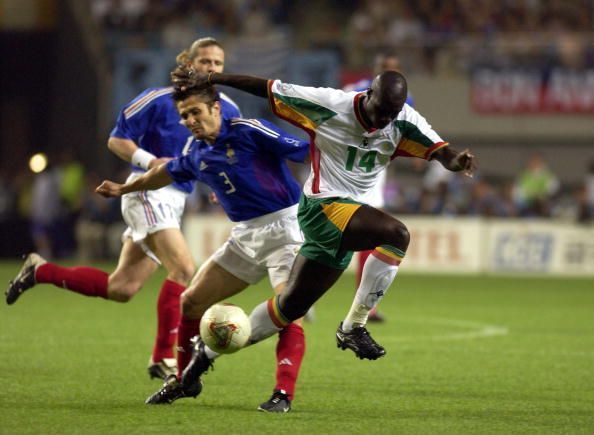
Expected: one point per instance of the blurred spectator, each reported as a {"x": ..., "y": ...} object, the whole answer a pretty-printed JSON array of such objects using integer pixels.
[
  {"x": 177, "y": 30},
  {"x": 434, "y": 36},
  {"x": 46, "y": 210},
  {"x": 508, "y": 204},
  {"x": 435, "y": 192},
  {"x": 71, "y": 179},
  {"x": 93, "y": 227},
  {"x": 15, "y": 230},
  {"x": 586, "y": 196},
  {"x": 487, "y": 202},
  {"x": 7, "y": 198},
  {"x": 405, "y": 28},
  {"x": 535, "y": 188}
]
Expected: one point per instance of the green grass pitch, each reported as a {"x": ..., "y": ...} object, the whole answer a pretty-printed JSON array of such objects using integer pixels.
[{"x": 465, "y": 355}]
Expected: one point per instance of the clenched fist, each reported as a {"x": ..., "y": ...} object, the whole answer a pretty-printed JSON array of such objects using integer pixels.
[
  {"x": 109, "y": 189},
  {"x": 466, "y": 161}
]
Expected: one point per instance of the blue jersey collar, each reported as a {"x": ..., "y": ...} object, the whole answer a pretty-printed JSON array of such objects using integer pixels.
[{"x": 222, "y": 137}]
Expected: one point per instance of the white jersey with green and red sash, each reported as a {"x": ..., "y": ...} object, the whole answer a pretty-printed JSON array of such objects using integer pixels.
[{"x": 346, "y": 157}]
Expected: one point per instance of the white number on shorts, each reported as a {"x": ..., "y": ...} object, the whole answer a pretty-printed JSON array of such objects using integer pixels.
[{"x": 228, "y": 182}]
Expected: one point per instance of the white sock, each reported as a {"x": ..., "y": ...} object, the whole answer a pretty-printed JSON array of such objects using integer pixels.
[
  {"x": 375, "y": 281},
  {"x": 211, "y": 354},
  {"x": 262, "y": 325}
]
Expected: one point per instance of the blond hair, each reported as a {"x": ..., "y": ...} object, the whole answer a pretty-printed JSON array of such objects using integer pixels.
[{"x": 189, "y": 54}]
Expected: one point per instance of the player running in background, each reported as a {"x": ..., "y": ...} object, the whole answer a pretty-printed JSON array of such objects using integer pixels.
[
  {"x": 243, "y": 162},
  {"x": 148, "y": 132},
  {"x": 383, "y": 62},
  {"x": 353, "y": 137}
]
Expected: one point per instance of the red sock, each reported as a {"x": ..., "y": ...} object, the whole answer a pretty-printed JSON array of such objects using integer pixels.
[
  {"x": 87, "y": 281},
  {"x": 168, "y": 315},
  {"x": 187, "y": 329},
  {"x": 289, "y": 354},
  {"x": 362, "y": 259}
]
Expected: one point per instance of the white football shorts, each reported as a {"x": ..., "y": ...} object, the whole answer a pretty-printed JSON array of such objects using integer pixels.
[
  {"x": 264, "y": 245},
  {"x": 150, "y": 211}
]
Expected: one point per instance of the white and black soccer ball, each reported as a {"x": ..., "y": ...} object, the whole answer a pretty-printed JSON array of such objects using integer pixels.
[{"x": 225, "y": 328}]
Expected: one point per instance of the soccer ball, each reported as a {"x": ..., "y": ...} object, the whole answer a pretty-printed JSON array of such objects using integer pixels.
[{"x": 225, "y": 328}]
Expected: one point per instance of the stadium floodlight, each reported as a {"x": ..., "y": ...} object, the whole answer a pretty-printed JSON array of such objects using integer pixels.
[{"x": 38, "y": 162}]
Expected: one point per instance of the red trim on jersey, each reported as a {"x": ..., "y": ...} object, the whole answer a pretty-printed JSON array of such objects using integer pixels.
[
  {"x": 314, "y": 152},
  {"x": 358, "y": 113},
  {"x": 428, "y": 153},
  {"x": 397, "y": 152},
  {"x": 434, "y": 148}
]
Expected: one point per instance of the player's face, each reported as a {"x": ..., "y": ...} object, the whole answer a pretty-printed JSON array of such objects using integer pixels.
[
  {"x": 203, "y": 121},
  {"x": 209, "y": 59},
  {"x": 382, "y": 107},
  {"x": 380, "y": 111}
]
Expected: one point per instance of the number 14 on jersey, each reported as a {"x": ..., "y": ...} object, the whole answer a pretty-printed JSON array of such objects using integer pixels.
[{"x": 366, "y": 160}]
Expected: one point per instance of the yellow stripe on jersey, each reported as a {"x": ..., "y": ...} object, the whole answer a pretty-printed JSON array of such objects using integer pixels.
[
  {"x": 340, "y": 213},
  {"x": 413, "y": 148},
  {"x": 286, "y": 112}
]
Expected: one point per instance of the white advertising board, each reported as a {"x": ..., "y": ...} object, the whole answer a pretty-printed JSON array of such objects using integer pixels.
[
  {"x": 540, "y": 247},
  {"x": 458, "y": 245}
]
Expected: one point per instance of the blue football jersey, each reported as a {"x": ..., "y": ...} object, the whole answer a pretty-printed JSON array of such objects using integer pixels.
[
  {"x": 151, "y": 120},
  {"x": 245, "y": 167}
]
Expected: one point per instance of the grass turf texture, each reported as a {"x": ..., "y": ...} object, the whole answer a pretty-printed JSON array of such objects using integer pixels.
[{"x": 465, "y": 355}]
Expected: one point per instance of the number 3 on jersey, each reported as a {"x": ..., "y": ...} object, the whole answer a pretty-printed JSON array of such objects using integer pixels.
[
  {"x": 367, "y": 160},
  {"x": 227, "y": 182}
]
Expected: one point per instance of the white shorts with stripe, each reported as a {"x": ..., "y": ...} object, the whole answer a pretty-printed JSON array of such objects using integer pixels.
[
  {"x": 150, "y": 211},
  {"x": 266, "y": 245}
]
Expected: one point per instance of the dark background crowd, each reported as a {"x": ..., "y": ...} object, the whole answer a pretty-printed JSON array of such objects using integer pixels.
[{"x": 56, "y": 210}]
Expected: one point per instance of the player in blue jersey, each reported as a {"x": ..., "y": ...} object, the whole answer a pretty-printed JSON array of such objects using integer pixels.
[
  {"x": 243, "y": 162},
  {"x": 148, "y": 132}
]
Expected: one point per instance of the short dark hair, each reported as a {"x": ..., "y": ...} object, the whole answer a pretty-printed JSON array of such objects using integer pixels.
[{"x": 207, "y": 95}]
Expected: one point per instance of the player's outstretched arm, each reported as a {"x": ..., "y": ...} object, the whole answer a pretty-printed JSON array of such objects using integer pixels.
[
  {"x": 456, "y": 161},
  {"x": 152, "y": 180},
  {"x": 184, "y": 77},
  {"x": 128, "y": 151}
]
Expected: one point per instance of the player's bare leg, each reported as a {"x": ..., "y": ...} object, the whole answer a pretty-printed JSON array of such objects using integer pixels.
[
  {"x": 308, "y": 281},
  {"x": 170, "y": 247},
  {"x": 133, "y": 270},
  {"x": 210, "y": 285},
  {"x": 371, "y": 227}
]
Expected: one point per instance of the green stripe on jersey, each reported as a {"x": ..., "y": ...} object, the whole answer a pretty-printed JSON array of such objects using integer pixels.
[
  {"x": 412, "y": 132},
  {"x": 314, "y": 112}
]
